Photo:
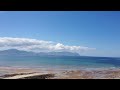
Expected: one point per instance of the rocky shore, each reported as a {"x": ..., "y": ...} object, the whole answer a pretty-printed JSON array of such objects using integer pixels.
[
  {"x": 63, "y": 74},
  {"x": 28, "y": 76}
]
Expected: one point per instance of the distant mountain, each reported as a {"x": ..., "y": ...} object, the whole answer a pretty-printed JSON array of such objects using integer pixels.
[
  {"x": 63, "y": 54},
  {"x": 15, "y": 52}
]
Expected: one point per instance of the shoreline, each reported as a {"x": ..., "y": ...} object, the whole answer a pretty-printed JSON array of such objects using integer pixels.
[
  {"x": 29, "y": 76},
  {"x": 32, "y": 73}
]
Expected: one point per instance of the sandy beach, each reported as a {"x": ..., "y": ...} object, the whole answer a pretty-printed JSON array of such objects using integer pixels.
[{"x": 26, "y": 73}]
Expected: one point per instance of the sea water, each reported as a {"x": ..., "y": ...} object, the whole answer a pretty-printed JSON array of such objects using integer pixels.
[{"x": 59, "y": 62}]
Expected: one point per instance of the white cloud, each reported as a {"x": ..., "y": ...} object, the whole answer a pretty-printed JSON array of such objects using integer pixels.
[{"x": 38, "y": 45}]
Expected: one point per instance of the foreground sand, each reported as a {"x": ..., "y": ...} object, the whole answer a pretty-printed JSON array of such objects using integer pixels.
[
  {"x": 82, "y": 74},
  {"x": 60, "y": 74}
]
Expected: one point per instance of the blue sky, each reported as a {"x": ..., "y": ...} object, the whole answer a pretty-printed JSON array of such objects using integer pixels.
[{"x": 94, "y": 29}]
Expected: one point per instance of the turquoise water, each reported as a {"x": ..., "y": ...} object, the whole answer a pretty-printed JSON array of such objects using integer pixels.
[{"x": 59, "y": 62}]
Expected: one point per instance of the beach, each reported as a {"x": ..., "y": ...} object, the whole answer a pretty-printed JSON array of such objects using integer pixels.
[
  {"x": 27, "y": 73},
  {"x": 77, "y": 67}
]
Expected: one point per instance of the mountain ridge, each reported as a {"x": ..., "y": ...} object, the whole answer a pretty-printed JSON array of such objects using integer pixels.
[{"x": 15, "y": 52}]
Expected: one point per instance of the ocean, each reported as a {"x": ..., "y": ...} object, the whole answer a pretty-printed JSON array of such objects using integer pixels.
[{"x": 59, "y": 62}]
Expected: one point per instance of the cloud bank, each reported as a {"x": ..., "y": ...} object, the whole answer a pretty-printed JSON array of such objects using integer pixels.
[{"x": 34, "y": 45}]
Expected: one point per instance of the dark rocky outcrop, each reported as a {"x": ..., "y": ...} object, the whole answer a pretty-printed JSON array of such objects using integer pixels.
[{"x": 44, "y": 76}]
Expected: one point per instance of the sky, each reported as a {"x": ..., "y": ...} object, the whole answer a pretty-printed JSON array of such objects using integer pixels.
[{"x": 90, "y": 33}]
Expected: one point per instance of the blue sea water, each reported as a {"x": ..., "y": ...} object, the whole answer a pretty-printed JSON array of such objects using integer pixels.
[{"x": 64, "y": 62}]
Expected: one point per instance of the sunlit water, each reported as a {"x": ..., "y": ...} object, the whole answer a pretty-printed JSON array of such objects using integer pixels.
[{"x": 59, "y": 62}]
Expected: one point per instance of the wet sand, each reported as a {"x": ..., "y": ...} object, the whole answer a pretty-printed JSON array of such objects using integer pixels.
[{"x": 26, "y": 73}]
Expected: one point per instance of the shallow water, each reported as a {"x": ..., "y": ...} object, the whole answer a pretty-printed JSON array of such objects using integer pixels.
[{"x": 70, "y": 62}]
